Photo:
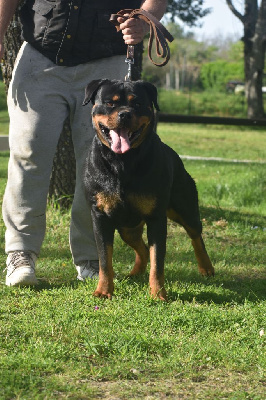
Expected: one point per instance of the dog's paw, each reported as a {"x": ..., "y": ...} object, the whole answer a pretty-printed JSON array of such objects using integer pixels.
[
  {"x": 206, "y": 270},
  {"x": 104, "y": 290},
  {"x": 102, "y": 295},
  {"x": 159, "y": 294}
]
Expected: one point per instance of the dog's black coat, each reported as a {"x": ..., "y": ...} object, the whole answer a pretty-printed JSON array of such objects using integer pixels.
[{"x": 132, "y": 178}]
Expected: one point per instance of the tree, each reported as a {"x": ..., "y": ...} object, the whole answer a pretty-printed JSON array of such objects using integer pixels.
[
  {"x": 187, "y": 55},
  {"x": 188, "y": 11},
  {"x": 254, "y": 22}
]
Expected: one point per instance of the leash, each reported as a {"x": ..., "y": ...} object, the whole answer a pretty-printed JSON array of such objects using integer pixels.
[
  {"x": 157, "y": 32},
  {"x": 130, "y": 61}
]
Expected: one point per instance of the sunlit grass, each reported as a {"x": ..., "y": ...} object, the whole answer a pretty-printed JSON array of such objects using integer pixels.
[
  {"x": 215, "y": 140},
  {"x": 207, "y": 342}
]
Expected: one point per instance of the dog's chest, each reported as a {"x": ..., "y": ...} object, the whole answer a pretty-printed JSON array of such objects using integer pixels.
[{"x": 126, "y": 204}]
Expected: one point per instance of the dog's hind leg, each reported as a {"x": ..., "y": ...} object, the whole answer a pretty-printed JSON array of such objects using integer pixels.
[
  {"x": 133, "y": 237},
  {"x": 204, "y": 263}
]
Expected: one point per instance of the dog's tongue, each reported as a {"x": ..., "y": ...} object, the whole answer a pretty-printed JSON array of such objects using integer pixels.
[{"x": 120, "y": 140}]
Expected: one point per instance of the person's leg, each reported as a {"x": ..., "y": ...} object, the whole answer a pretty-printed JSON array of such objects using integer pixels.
[
  {"x": 37, "y": 112},
  {"x": 82, "y": 240}
]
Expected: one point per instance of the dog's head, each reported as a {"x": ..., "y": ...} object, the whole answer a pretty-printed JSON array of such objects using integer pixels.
[{"x": 122, "y": 112}]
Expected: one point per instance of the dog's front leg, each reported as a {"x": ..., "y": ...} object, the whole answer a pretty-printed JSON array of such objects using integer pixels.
[
  {"x": 157, "y": 232},
  {"x": 104, "y": 236}
]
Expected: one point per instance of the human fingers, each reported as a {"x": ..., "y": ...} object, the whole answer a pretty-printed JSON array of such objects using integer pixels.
[{"x": 133, "y": 30}]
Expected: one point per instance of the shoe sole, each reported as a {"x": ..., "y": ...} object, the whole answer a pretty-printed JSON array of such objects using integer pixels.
[
  {"x": 23, "y": 281},
  {"x": 92, "y": 276}
]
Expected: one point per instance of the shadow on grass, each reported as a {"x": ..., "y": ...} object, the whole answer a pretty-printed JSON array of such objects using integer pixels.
[
  {"x": 228, "y": 286},
  {"x": 219, "y": 290},
  {"x": 45, "y": 284},
  {"x": 187, "y": 286},
  {"x": 216, "y": 213}
]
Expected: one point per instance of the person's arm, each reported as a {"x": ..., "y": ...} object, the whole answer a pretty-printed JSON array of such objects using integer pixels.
[
  {"x": 7, "y": 10},
  {"x": 134, "y": 29}
]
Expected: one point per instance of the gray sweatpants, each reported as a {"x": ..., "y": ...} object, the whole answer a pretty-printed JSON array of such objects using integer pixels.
[{"x": 41, "y": 96}]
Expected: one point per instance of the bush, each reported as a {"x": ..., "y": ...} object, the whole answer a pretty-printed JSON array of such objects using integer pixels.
[
  {"x": 209, "y": 103},
  {"x": 215, "y": 75}
]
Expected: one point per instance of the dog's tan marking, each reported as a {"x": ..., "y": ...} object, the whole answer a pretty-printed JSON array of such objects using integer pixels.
[
  {"x": 109, "y": 121},
  {"x": 204, "y": 263},
  {"x": 174, "y": 216},
  {"x": 107, "y": 202},
  {"x": 143, "y": 203},
  {"x": 96, "y": 120},
  {"x": 116, "y": 97},
  {"x": 143, "y": 122},
  {"x": 105, "y": 286},
  {"x": 130, "y": 97},
  {"x": 102, "y": 139},
  {"x": 100, "y": 118},
  {"x": 156, "y": 282}
]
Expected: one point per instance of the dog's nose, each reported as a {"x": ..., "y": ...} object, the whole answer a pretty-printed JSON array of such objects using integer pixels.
[{"x": 124, "y": 115}]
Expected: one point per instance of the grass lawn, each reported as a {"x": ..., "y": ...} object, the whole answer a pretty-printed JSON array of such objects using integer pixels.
[
  {"x": 4, "y": 122},
  {"x": 207, "y": 342}
]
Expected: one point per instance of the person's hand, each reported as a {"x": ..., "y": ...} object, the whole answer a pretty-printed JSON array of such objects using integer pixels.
[{"x": 133, "y": 29}]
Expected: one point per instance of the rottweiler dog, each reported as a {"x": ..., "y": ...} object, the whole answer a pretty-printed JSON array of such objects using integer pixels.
[{"x": 132, "y": 178}]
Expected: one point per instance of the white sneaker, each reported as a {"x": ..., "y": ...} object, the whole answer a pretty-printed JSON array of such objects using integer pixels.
[
  {"x": 88, "y": 269},
  {"x": 21, "y": 269}
]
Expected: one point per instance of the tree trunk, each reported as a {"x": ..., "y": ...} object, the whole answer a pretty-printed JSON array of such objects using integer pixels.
[
  {"x": 254, "y": 22},
  {"x": 12, "y": 43},
  {"x": 254, "y": 48},
  {"x": 63, "y": 177}
]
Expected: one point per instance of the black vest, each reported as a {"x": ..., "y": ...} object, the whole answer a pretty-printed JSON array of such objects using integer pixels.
[{"x": 71, "y": 32}]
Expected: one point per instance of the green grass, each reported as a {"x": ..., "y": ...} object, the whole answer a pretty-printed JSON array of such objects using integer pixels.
[
  {"x": 207, "y": 342},
  {"x": 2, "y": 96},
  {"x": 4, "y": 118},
  {"x": 4, "y": 122},
  {"x": 215, "y": 141}
]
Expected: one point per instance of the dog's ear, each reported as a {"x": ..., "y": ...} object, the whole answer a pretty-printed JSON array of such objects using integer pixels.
[
  {"x": 152, "y": 91},
  {"x": 91, "y": 90}
]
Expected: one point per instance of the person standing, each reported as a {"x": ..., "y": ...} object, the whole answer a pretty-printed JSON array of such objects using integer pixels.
[{"x": 66, "y": 45}]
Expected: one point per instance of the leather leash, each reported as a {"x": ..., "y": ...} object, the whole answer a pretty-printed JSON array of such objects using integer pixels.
[{"x": 157, "y": 32}]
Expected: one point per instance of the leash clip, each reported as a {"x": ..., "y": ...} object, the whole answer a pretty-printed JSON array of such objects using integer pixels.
[{"x": 129, "y": 60}]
